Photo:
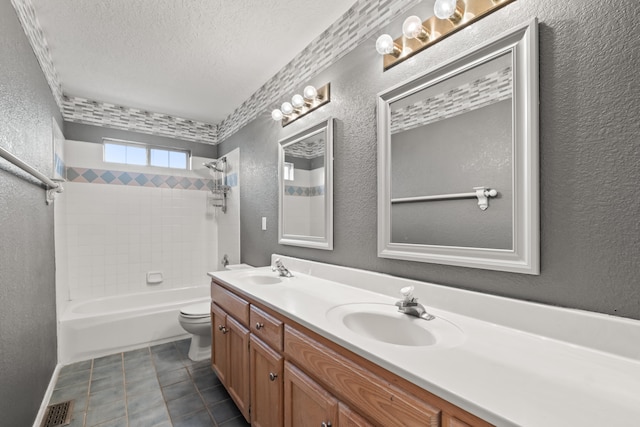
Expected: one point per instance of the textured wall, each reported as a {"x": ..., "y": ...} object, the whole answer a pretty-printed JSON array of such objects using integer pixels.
[
  {"x": 27, "y": 282},
  {"x": 589, "y": 150}
]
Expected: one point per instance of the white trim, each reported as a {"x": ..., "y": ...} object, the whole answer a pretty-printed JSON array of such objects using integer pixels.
[
  {"x": 47, "y": 396},
  {"x": 522, "y": 43}
]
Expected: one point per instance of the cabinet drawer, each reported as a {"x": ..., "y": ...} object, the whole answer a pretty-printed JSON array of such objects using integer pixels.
[
  {"x": 235, "y": 306},
  {"x": 267, "y": 327},
  {"x": 364, "y": 391}
]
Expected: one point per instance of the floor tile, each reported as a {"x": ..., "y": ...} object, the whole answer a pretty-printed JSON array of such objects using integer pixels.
[
  {"x": 136, "y": 354},
  {"x": 214, "y": 395},
  {"x": 74, "y": 378},
  {"x": 205, "y": 379},
  {"x": 141, "y": 402},
  {"x": 106, "y": 382},
  {"x": 197, "y": 419},
  {"x": 140, "y": 374},
  {"x": 175, "y": 391},
  {"x": 142, "y": 386},
  {"x": 75, "y": 367},
  {"x": 113, "y": 370},
  {"x": 183, "y": 406},
  {"x": 150, "y": 417},
  {"x": 103, "y": 397},
  {"x": 73, "y": 392},
  {"x": 102, "y": 414},
  {"x": 107, "y": 360},
  {"x": 224, "y": 411},
  {"x": 235, "y": 422},
  {"x": 171, "y": 377},
  {"x": 162, "y": 347},
  {"x": 120, "y": 422}
]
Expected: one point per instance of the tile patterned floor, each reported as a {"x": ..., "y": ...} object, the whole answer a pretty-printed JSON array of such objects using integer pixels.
[{"x": 153, "y": 386}]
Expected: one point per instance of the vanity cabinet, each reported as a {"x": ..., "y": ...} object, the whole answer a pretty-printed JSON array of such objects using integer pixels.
[
  {"x": 291, "y": 376},
  {"x": 306, "y": 402},
  {"x": 267, "y": 385},
  {"x": 230, "y": 346}
]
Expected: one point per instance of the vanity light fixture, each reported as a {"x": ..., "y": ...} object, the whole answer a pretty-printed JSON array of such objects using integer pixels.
[
  {"x": 301, "y": 105},
  {"x": 449, "y": 16}
]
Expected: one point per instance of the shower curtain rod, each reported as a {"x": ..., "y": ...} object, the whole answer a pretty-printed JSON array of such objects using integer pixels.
[{"x": 52, "y": 186}]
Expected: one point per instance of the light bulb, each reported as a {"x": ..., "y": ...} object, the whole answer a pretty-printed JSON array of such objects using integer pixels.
[
  {"x": 286, "y": 108},
  {"x": 412, "y": 28},
  {"x": 310, "y": 93},
  {"x": 446, "y": 9},
  {"x": 276, "y": 115},
  {"x": 297, "y": 101},
  {"x": 384, "y": 45}
]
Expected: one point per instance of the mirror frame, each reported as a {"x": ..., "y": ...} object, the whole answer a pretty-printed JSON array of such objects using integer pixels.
[
  {"x": 326, "y": 242},
  {"x": 524, "y": 257}
]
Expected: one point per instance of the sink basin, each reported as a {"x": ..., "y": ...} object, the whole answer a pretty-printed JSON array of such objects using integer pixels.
[
  {"x": 384, "y": 324},
  {"x": 260, "y": 278}
]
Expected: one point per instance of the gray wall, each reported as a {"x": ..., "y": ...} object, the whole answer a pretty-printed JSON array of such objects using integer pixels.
[
  {"x": 90, "y": 133},
  {"x": 589, "y": 150},
  {"x": 27, "y": 268}
]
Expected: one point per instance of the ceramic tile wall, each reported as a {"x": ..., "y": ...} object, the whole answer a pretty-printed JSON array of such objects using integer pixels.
[
  {"x": 117, "y": 230},
  {"x": 229, "y": 222}
]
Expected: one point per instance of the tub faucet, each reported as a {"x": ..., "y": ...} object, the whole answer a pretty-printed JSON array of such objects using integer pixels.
[
  {"x": 282, "y": 270},
  {"x": 410, "y": 305}
]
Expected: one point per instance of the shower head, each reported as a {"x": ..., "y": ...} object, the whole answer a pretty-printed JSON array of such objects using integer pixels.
[{"x": 213, "y": 166}]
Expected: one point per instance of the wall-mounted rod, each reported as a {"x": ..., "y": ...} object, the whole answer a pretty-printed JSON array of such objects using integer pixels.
[
  {"x": 482, "y": 193},
  {"x": 52, "y": 187}
]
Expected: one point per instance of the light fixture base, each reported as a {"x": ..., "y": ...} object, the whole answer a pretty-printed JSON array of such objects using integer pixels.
[
  {"x": 439, "y": 29},
  {"x": 323, "y": 97}
]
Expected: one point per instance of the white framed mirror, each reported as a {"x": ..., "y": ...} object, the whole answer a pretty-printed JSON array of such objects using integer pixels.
[
  {"x": 458, "y": 160},
  {"x": 305, "y": 175}
]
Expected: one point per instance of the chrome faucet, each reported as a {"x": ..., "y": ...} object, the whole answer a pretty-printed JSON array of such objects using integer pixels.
[
  {"x": 282, "y": 270},
  {"x": 410, "y": 305}
]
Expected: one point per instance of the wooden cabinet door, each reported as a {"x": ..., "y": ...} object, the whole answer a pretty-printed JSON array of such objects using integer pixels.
[
  {"x": 267, "y": 386},
  {"x": 348, "y": 418},
  {"x": 219, "y": 353},
  {"x": 237, "y": 380},
  {"x": 307, "y": 404}
]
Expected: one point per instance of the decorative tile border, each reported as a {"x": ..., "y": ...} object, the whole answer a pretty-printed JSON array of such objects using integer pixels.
[
  {"x": 136, "y": 179},
  {"x": 355, "y": 26},
  {"x": 297, "y": 191},
  {"x": 81, "y": 110},
  {"x": 487, "y": 90}
]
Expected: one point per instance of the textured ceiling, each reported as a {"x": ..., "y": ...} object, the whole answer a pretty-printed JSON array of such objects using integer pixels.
[{"x": 197, "y": 59}]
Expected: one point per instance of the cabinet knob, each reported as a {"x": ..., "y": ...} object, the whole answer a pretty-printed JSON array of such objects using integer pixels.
[
  {"x": 222, "y": 329},
  {"x": 273, "y": 376},
  {"x": 326, "y": 424},
  {"x": 259, "y": 325}
]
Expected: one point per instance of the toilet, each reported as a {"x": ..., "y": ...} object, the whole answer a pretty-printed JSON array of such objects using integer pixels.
[{"x": 196, "y": 319}]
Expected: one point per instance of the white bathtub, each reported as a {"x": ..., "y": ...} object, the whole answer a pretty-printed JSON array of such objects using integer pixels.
[{"x": 94, "y": 328}]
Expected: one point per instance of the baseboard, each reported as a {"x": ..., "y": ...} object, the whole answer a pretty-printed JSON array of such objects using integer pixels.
[{"x": 47, "y": 396}]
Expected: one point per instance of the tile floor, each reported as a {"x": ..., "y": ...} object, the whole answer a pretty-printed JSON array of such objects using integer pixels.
[{"x": 153, "y": 386}]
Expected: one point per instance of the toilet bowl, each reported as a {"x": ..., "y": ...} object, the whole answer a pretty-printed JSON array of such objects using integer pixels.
[{"x": 196, "y": 319}]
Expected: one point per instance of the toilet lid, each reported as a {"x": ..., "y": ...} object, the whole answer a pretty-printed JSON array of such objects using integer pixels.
[{"x": 201, "y": 309}]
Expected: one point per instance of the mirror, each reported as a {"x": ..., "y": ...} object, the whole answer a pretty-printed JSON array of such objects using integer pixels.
[
  {"x": 458, "y": 160},
  {"x": 305, "y": 175}
]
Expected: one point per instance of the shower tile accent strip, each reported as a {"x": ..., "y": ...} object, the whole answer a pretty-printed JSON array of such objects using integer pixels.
[
  {"x": 355, "y": 26},
  {"x": 136, "y": 179},
  {"x": 294, "y": 190},
  {"x": 494, "y": 87}
]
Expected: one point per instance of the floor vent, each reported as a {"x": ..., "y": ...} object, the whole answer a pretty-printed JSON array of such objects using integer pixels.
[{"x": 58, "y": 414}]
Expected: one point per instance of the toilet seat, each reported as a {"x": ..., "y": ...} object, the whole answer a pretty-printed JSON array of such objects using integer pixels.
[{"x": 200, "y": 310}]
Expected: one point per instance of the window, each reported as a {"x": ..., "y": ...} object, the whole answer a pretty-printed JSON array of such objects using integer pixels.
[
  {"x": 144, "y": 155},
  {"x": 288, "y": 171}
]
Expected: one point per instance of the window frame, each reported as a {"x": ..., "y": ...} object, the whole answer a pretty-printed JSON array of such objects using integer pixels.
[{"x": 148, "y": 148}]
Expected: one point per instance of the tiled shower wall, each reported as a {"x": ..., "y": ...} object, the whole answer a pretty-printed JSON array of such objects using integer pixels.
[
  {"x": 302, "y": 199},
  {"x": 121, "y": 222}
]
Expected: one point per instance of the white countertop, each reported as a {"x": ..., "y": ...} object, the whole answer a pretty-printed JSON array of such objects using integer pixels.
[{"x": 507, "y": 376}]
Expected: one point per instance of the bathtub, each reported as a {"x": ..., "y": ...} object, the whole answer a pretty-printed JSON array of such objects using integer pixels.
[{"x": 98, "y": 327}]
